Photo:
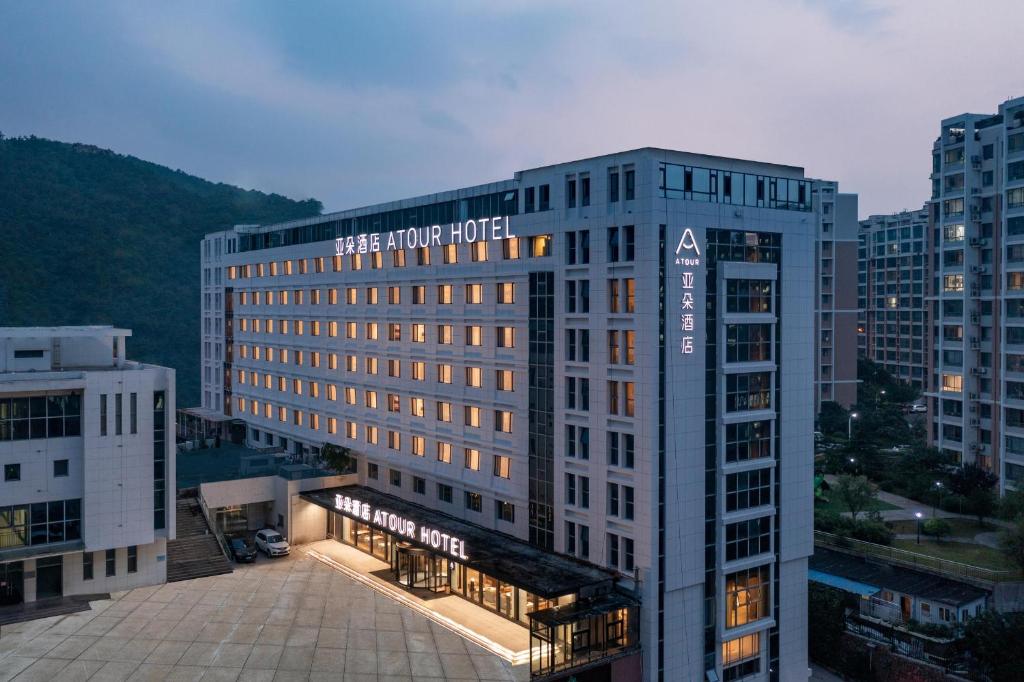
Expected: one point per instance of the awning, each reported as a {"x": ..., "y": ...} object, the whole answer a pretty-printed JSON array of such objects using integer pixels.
[
  {"x": 501, "y": 556},
  {"x": 584, "y": 608},
  {"x": 844, "y": 584}
]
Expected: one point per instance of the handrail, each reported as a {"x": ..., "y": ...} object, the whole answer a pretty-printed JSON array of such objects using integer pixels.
[{"x": 925, "y": 562}]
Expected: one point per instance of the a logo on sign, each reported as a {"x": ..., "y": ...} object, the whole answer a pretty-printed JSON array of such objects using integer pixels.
[{"x": 687, "y": 251}]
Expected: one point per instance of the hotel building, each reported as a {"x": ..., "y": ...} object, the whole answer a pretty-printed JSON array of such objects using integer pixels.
[
  {"x": 836, "y": 305},
  {"x": 586, "y": 392},
  {"x": 977, "y": 362},
  {"x": 895, "y": 273},
  {"x": 87, "y": 495}
]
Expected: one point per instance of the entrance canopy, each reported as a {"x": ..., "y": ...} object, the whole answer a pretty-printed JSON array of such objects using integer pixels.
[{"x": 501, "y": 556}]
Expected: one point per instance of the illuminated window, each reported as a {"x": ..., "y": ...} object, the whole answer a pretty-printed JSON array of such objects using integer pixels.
[
  {"x": 241, "y": 376},
  {"x": 283, "y": 326},
  {"x": 444, "y": 452},
  {"x": 351, "y": 296},
  {"x": 351, "y": 430},
  {"x": 502, "y": 466},
  {"x": 370, "y": 365},
  {"x": 232, "y": 272},
  {"x": 371, "y": 295},
  {"x": 336, "y": 263},
  {"x": 472, "y": 416},
  {"x": 350, "y": 395},
  {"x": 444, "y": 294},
  {"x": 297, "y": 417},
  {"x": 416, "y": 407},
  {"x": 350, "y": 330},
  {"x": 419, "y": 446},
  {"x": 273, "y": 269},
  {"x": 282, "y": 414},
  {"x": 282, "y": 384},
  {"x": 445, "y": 334},
  {"x": 506, "y": 292},
  {"x": 394, "y": 403},
  {"x": 371, "y": 331},
  {"x": 953, "y": 282},
  {"x": 419, "y": 333},
  {"x": 394, "y": 368},
  {"x": 332, "y": 361},
  {"x": 474, "y": 377},
  {"x": 394, "y": 331},
  {"x": 314, "y": 421},
  {"x": 503, "y": 379},
  {"x": 746, "y": 596},
  {"x": 371, "y": 399},
  {"x": 419, "y": 294},
  {"x": 444, "y": 411},
  {"x": 419, "y": 370},
  {"x": 394, "y": 437},
  {"x": 472, "y": 459},
  {"x": 510, "y": 248},
  {"x": 952, "y": 383},
  {"x": 506, "y": 337},
  {"x": 398, "y": 258},
  {"x": 540, "y": 246},
  {"x": 314, "y": 389},
  {"x": 260, "y": 270},
  {"x": 394, "y": 295},
  {"x": 474, "y": 293},
  {"x": 314, "y": 358},
  {"x": 474, "y": 335},
  {"x": 332, "y": 328},
  {"x": 314, "y": 328},
  {"x": 288, "y": 267},
  {"x": 332, "y": 392},
  {"x": 630, "y": 286},
  {"x": 371, "y": 435},
  {"x": 314, "y": 297},
  {"x": 332, "y": 425},
  {"x": 376, "y": 260},
  {"x": 351, "y": 363},
  {"x": 503, "y": 421},
  {"x": 444, "y": 374},
  {"x": 450, "y": 253},
  {"x": 478, "y": 251},
  {"x": 423, "y": 255},
  {"x": 741, "y": 649},
  {"x": 357, "y": 261},
  {"x": 299, "y": 297}
]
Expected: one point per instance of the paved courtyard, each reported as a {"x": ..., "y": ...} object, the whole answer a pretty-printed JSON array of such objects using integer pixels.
[{"x": 293, "y": 618}]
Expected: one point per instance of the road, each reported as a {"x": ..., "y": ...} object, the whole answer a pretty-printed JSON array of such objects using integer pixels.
[{"x": 819, "y": 674}]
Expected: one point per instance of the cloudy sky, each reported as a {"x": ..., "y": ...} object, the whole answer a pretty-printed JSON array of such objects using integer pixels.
[{"x": 355, "y": 103}]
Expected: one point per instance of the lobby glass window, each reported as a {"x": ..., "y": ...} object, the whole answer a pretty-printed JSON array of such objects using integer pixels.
[
  {"x": 42, "y": 417},
  {"x": 133, "y": 559},
  {"x": 111, "y": 561},
  {"x": 87, "y": 565}
]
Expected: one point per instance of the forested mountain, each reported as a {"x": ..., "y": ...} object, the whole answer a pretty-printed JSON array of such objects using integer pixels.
[{"x": 88, "y": 236}]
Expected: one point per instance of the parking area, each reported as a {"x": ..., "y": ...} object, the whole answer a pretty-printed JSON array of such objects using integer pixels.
[{"x": 290, "y": 618}]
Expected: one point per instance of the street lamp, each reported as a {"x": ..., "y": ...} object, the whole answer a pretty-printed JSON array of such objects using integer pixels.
[
  {"x": 853, "y": 464},
  {"x": 938, "y": 496},
  {"x": 849, "y": 425},
  {"x": 918, "y": 516}
]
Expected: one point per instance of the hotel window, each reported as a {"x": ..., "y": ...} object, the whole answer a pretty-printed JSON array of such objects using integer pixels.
[
  {"x": 748, "y": 489},
  {"x": 614, "y": 357},
  {"x": 952, "y": 383},
  {"x": 394, "y": 295},
  {"x": 394, "y": 440},
  {"x": 377, "y": 260},
  {"x": 444, "y": 411},
  {"x": 746, "y": 596},
  {"x": 742, "y": 655},
  {"x": 584, "y": 190},
  {"x": 503, "y": 379},
  {"x": 332, "y": 328},
  {"x": 419, "y": 446},
  {"x": 748, "y": 342},
  {"x": 371, "y": 365},
  {"x": 395, "y": 477},
  {"x": 503, "y": 421},
  {"x": 282, "y": 414},
  {"x": 627, "y": 502},
  {"x": 419, "y": 370},
  {"x": 748, "y": 391},
  {"x": 612, "y": 499},
  {"x": 570, "y": 538},
  {"x": 416, "y": 407},
  {"x": 504, "y": 511},
  {"x": 118, "y": 413},
  {"x": 371, "y": 331},
  {"x": 529, "y": 205},
  {"x": 544, "y": 200},
  {"x": 297, "y": 417},
  {"x": 474, "y": 293},
  {"x": 540, "y": 246},
  {"x": 351, "y": 296},
  {"x": 371, "y": 295},
  {"x": 371, "y": 435},
  {"x": 577, "y": 393},
  {"x": 506, "y": 337},
  {"x": 444, "y": 374},
  {"x": 505, "y": 292},
  {"x": 419, "y": 294},
  {"x": 510, "y": 248},
  {"x": 332, "y": 425},
  {"x": 450, "y": 254},
  {"x": 394, "y": 368},
  {"x": 444, "y": 493},
  {"x": 953, "y": 282},
  {"x": 133, "y": 417},
  {"x": 502, "y": 466},
  {"x": 87, "y": 558},
  {"x": 314, "y": 389},
  {"x": 299, "y": 297},
  {"x": 372, "y": 471},
  {"x": 629, "y": 285},
  {"x": 336, "y": 263},
  {"x": 260, "y": 270},
  {"x": 394, "y": 402},
  {"x": 630, "y": 177},
  {"x": 444, "y": 452},
  {"x": 314, "y": 421},
  {"x": 394, "y": 331},
  {"x": 472, "y": 416},
  {"x": 474, "y": 377},
  {"x": 314, "y": 297},
  {"x": 747, "y": 538},
  {"x": 398, "y": 258},
  {"x": 444, "y": 294},
  {"x": 474, "y": 335},
  {"x": 570, "y": 191},
  {"x": 472, "y": 459},
  {"x": 350, "y": 330},
  {"x": 350, "y": 395},
  {"x": 357, "y": 261},
  {"x": 370, "y": 399},
  {"x": 423, "y": 255},
  {"x": 351, "y": 430},
  {"x": 747, "y": 440},
  {"x": 314, "y": 328},
  {"x": 112, "y": 560},
  {"x": 613, "y": 397},
  {"x": 300, "y": 327},
  {"x": 419, "y": 485},
  {"x": 478, "y": 251},
  {"x": 314, "y": 358},
  {"x": 612, "y": 544},
  {"x": 577, "y": 345},
  {"x": 445, "y": 334}
]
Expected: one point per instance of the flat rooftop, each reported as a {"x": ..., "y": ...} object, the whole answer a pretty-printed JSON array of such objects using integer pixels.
[
  {"x": 501, "y": 556},
  {"x": 63, "y": 332},
  {"x": 232, "y": 462}
]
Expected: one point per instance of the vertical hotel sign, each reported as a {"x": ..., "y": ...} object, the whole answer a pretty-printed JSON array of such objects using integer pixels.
[{"x": 688, "y": 256}]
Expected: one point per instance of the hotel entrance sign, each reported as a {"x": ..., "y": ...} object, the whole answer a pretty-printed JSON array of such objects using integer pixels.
[
  {"x": 399, "y": 525},
  {"x": 469, "y": 231}
]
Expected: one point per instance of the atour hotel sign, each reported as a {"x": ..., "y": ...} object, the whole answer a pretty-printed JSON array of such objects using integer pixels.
[
  {"x": 688, "y": 256},
  {"x": 469, "y": 231},
  {"x": 399, "y": 525}
]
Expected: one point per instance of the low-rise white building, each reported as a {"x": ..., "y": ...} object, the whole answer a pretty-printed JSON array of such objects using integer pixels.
[{"x": 87, "y": 494}]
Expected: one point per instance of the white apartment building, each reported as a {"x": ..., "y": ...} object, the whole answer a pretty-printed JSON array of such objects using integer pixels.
[
  {"x": 609, "y": 360},
  {"x": 977, "y": 362},
  {"x": 895, "y": 261},
  {"x": 87, "y": 495}
]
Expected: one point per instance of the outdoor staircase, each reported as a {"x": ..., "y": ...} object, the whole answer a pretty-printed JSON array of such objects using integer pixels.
[{"x": 195, "y": 553}]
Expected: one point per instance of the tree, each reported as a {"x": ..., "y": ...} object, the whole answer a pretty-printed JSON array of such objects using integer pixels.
[
  {"x": 1011, "y": 541},
  {"x": 990, "y": 638},
  {"x": 937, "y": 528},
  {"x": 826, "y": 620},
  {"x": 338, "y": 457},
  {"x": 832, "y": 420},
  {"x": 855, "y": 492},
  {"x": 977, "y": 485}
]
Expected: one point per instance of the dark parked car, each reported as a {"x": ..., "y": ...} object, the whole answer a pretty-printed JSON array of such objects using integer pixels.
[{"x": 242, "y": 552}]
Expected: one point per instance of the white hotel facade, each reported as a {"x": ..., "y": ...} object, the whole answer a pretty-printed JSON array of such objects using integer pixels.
[
  {"x": 620, "y": 368},
  {"x": 87, "y": 494}
]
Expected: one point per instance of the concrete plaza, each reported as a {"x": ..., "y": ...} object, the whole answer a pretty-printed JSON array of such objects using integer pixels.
[{"x": 293, "y": 618}]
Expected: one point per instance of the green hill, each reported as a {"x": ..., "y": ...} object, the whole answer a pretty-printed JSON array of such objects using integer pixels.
[{"x": 94, "y": 237}]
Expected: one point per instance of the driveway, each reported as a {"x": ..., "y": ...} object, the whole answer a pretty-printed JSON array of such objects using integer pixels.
[{"x": 292, "y": 618}]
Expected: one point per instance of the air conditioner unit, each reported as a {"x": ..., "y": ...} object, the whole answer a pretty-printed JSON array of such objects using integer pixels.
[
  {"x": 979, "y": 371},
  {"x": 979, "y": 269},
  {"x": 978, "y": 241},
  {"x": 973, "y": 396}
]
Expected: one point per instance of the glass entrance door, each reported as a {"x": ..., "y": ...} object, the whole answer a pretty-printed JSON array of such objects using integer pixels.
[
  {"x": 49, "y": 577},
  {"x": 12, "y": 583},
  {"x": 420, "y": 569}
]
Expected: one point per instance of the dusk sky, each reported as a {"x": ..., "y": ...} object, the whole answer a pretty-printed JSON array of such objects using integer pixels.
[{"x": 357, "y": 103}]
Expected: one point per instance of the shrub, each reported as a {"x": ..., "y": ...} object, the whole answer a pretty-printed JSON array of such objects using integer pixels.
[{"x": 937, "y": 528}]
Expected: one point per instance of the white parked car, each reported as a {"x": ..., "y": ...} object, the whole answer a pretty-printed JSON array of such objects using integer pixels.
[
  {"x": 271, "y": 543},
  {"x": 918, "y": 407}
]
